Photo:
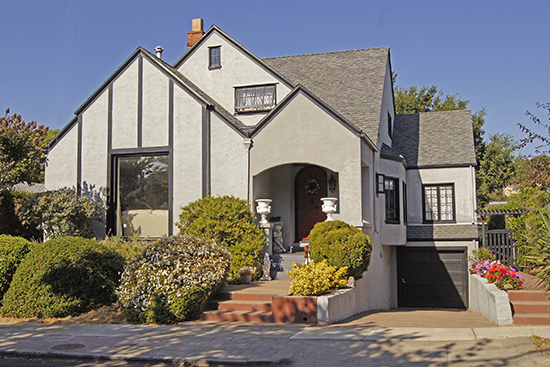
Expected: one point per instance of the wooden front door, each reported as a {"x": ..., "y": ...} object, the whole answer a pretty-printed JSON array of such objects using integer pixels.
[{"x": 310, "y": 187}]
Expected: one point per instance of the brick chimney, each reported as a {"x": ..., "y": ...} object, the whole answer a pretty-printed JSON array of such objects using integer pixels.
[{"x": 196, "y": 33}]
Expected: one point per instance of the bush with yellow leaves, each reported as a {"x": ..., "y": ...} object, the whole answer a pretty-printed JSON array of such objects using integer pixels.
[{"x": 314, "y": 279}]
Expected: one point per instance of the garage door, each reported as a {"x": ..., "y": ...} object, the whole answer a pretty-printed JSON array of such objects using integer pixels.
[{"x": 432, "y": 277}]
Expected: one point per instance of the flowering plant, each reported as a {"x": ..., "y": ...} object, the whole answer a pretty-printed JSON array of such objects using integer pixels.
[
  {"x": 480, "y": 267},
  {"x": 247, "y": 270},
  {"x": 500, "y": 275}
]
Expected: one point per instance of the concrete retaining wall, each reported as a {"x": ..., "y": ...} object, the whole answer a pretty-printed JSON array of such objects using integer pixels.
[{"x": 490, "y": 301}]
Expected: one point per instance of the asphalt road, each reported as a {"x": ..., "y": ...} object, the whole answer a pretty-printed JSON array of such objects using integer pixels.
[{"x": 26, "y": 362}]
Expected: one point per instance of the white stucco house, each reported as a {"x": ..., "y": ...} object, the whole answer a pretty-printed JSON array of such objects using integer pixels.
[{"x": 222, "y": 121}]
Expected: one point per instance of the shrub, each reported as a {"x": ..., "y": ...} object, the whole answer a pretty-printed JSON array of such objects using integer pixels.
[
  {"x": 12, "y": 251},
  {"x": 128, "y": 248},
  {"x": 10, "y": 203},
  {"x": 227, "y": 221},
  {"x": 314, "y": 279},
  {"x": 63, "y": 277},
  {"x": 61, "y": 213},
  {"x": 538, "y": 241},
  {"x": 171, "y": 278},
  {"x": 341, "y": 245}
]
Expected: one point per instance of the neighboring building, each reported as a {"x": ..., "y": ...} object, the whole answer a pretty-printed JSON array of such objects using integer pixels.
[{"x": 221, "y": 121}]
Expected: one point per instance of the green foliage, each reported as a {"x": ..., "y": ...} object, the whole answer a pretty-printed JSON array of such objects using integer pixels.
[
  {"x": 12, "y": 251},
  {"x": 128, "y": 248},
  {"x": 538, "y": 242},
  {"x": 170, "y": 279},
  {"x": 533, "y": 172},
  {"x": 482, "y": 253},
  {"x": 61, "y": 213},
  {"x": 10, "y": 203},
  {"x": 63, "y": 277},
  {"x": 314, "y": 279},
  {"x": 227, "y": 221},
  {"x": 21, "y": 155},
  {"x": 341, "y": 245},
  {"x": 496, "y": 167}
]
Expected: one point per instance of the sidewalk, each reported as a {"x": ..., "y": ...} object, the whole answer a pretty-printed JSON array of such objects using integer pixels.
[{"x": 277, "y": 344}]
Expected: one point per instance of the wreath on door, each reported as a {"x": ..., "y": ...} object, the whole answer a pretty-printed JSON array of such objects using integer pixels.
[{"x": 311, "y": 186}]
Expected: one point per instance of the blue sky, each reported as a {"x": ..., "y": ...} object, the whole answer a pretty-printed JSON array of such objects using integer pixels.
[{"x": 55, "y": 53}]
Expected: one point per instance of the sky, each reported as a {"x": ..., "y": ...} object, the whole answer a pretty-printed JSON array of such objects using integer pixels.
[{"x": 56, "y": 53}]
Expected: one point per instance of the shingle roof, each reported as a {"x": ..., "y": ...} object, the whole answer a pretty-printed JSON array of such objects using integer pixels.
[
  {"x": 350, "y": 82},
  {"x": 435, "y": 138},
  {"x": 389, "y": 153},
  {"x": 442, "y": 232}
]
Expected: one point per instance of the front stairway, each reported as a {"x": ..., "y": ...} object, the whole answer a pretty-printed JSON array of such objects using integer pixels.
[
  {"x": 530, "y": 305},
  {"x": 246, "y": 302}
]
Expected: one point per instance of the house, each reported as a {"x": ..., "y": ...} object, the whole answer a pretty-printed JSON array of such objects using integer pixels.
[{"x": 221, "y": 121}]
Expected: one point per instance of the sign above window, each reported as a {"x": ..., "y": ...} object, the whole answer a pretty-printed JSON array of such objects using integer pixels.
[{"x": 253, "y": 99}]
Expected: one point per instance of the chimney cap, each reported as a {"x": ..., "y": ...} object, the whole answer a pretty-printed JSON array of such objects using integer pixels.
[
  {"x": 197, "y": 25},
  {"x": 159, "y": 50}
]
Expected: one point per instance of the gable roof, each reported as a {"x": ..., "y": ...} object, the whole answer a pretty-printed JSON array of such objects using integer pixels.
[
  {"x": 362, "y": 72},
  {"x": 435, "y": 139}
]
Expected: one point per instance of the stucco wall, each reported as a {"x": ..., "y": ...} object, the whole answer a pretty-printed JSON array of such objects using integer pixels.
[
  {"x": 229, "y": 158},
  {"x": 125, "y": 108},
  {"x": 187, "y": 151},
  {"x": 391, "y": 233},
  {"x": 303, "y": 133},
  {"x": 94, "y": 147},
  {"x": 237, "y": 70},
  {"x": 464, "y": 183},
  {"x": 387, "y": 107},
  {"x": 61, "y": 167},
  {"x": 154, "y": 106}
]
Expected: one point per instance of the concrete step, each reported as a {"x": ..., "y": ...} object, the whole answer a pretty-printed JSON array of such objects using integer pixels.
[
  {"x": 241, "y": 296},
  {"x": 236, "y": 305},
  {"x": 281, "y": 263},
  {"x": 531, "y": 319},
  {"x": 531, "y": 307},
  {"x": 525, "y": 295},
  {"x": 237, "y": 316}
]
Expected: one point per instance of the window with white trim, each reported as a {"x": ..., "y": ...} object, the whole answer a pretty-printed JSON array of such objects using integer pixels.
[
  {"x": 439, "y": 203},
  {"x": 256, "y": 98},
  {"x": 214, "y": 57}
]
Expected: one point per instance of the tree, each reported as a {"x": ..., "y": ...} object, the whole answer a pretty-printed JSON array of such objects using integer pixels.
[
  {"x": 543, "y": 137},
  {"x": 21, "y": 154},
  {"x": 496, "y": 168}
]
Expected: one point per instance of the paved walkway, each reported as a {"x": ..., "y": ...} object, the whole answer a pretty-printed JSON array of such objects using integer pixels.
[{"x": 278, "y": 344}]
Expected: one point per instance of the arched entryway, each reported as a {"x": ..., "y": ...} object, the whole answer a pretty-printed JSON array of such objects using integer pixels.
[{"x": 310, "y": 186}]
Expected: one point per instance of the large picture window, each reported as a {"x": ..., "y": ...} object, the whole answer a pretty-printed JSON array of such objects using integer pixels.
[
  {"x": 391, "y": 191},
  {"x": 257, "y": 98},
  {"x": 142, "y": 208},
  {"x": 439, "y": 203}
]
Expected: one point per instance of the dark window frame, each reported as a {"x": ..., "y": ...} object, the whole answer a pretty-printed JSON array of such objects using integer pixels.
[
  {"x": 438, "y": 198},
  {"x": 392, "y": 200},
  {"x": 255, "y": 107},
  {"x": 405, "y": 207},
  {"x": 390, "y": 125},
  {"x": 214, "y": 57}
]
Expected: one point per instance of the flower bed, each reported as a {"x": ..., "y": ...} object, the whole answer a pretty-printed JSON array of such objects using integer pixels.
[{"x": 484, "y": 264}]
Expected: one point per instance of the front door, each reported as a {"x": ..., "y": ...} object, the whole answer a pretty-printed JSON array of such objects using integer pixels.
[{"x": 310, "y": 187}]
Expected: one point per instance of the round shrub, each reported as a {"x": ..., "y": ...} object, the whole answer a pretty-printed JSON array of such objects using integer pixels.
[
  {"x": 63, "y": 277},
  {"x": 341, "y": 245},
  {"x": 171, "y": 278},
  {"x": 314, "y": 279},
  {"x": 227, "y": 221},
  {"x": 12, "y": 251}
]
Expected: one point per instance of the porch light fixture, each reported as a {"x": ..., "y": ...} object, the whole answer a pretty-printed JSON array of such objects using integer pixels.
[
  {"x": 332, "y": 183},
  {"x": 380, "y": 179}
]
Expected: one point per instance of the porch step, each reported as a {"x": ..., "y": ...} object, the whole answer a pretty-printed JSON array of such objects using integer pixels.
[
  {"x": 238, "y": 316},
  {"x": 531, "y": 307},
  {"x": 528, "y": 295},
  {"x": 235, "y": 305},
  {"x": 532, "y": 319}
]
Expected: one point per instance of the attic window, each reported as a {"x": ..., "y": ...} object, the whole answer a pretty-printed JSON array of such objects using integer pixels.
[
  {"x": 253, "y": 99},
  {"x": 214, "y": 57}
]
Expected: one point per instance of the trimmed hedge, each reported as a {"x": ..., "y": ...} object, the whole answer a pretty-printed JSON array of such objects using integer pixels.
[
  {"x": 12, "y": 252},
  {"x": 341, "y": 245},
  {"x": 228, "y": 221},
  {"x": 63, "y": 277},
  {"x": 169, "y": 281}
]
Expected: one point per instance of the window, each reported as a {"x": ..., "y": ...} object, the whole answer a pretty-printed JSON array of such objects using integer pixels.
[
  {"x": 142, "y": 196},
  {"x": 258, "y": 98},
  {"x": 391, "y": 190},
  {"x": 439, "y": 203},
  {"x": 214, "y": 57}
]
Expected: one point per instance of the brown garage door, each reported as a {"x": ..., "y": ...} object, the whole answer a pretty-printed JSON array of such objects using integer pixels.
[{"x": 432, "y": 277}]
